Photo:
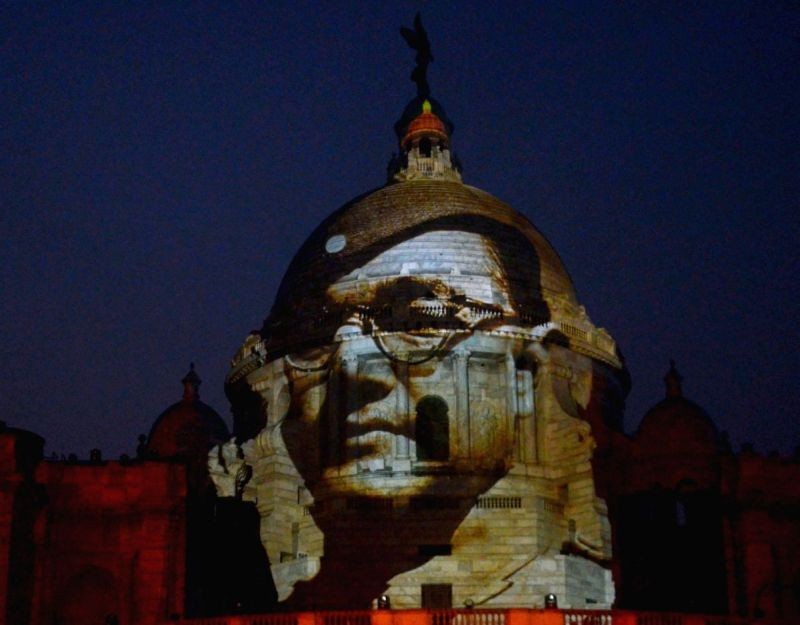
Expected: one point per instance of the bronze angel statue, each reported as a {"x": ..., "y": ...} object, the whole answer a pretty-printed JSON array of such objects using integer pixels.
[{"x": 417, "y": 39}]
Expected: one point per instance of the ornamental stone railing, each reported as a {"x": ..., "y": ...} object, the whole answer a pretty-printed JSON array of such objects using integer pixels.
[{"x": 512, "y": 616}]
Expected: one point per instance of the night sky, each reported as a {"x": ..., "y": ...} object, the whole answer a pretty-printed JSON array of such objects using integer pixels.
[{"x": 161, "y": 164}]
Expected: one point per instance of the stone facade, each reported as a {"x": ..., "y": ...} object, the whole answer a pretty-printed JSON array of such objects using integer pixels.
[
  {"x": 419, "y": 387},
  {"x": 427, "y": 413}
]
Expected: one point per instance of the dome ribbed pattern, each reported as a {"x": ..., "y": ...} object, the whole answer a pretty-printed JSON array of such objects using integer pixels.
[{"x": 432, "y": 231}]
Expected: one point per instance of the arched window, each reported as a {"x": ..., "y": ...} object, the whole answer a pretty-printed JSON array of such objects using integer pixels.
[
  {"x": 425, "y": 147},
  {"x": 680, "y": 513},
  {"x": 89, "y": 598},
  {"x": 432, "y": 429}
]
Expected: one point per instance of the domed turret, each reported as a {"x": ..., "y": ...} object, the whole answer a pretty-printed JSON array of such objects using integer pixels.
[
  {"x": 677, "y": 425},
  {"x": 676, "y": 442},
  {"x": 188, "y": 428}
]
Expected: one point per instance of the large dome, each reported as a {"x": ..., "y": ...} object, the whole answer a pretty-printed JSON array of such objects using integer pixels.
[
  {"x": 443, "y": 238},
  {"x": 425, "y": 361}
]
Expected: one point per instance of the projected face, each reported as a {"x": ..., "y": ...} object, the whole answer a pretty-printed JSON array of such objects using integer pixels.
[
  {"x": 408, "y": 409},
  {"x": 398, "y": 411},
  {"x": 392, "y": 391}
]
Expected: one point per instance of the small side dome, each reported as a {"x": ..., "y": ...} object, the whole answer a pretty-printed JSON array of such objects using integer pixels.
[
  {"x": 188, "y": 428},
  {"x": 677, "y": 425}
]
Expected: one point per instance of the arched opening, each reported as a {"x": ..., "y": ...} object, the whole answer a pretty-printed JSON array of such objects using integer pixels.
[
  {"x": 89, "y": 598},
  {"x": 432, "y": 429},
  {"x": 425, "y": 147}
]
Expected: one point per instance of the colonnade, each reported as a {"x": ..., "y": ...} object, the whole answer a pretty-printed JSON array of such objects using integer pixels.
[{"x": 516, "y": 408}]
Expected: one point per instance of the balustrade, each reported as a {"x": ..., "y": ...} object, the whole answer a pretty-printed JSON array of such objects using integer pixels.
[{"x": 515, "y": 616}]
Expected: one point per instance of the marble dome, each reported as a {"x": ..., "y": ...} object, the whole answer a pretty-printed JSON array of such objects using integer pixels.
[
  {"x": 445, "y": 239},
  {"x": 426, "y": 368}
]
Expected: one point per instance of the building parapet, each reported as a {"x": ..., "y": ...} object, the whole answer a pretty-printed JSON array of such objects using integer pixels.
[{"x": 511, "y": 616}]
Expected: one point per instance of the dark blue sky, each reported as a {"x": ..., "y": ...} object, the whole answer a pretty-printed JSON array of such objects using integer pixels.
[{"x": 160, "y": 165}]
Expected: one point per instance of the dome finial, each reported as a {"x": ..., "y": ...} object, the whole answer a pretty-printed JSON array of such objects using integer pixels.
[
  {"x": 191, "y": 384},
  {"x": 673, "y": 381}
]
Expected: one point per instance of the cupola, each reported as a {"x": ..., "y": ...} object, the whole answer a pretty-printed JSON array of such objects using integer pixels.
[
  {"x": 425, "y": 149},
  {"x": 425, "y": 128}
]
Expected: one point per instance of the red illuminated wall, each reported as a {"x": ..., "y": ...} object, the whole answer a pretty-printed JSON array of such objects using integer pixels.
[
  {"x": 82, "y": 541},
  {"x": 113, "y": 542}
]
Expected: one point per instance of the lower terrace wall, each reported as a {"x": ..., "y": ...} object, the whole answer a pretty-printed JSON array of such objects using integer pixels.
[{"x": 483, "y": 617}]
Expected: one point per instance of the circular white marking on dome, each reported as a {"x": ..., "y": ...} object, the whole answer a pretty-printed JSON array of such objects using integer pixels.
[{"x": 335, "y": 244}]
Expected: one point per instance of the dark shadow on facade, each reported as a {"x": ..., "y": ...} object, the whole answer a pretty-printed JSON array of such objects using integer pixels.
[
  {"x": 679, "y": 531},
  {"x": 227, "y": 568}
]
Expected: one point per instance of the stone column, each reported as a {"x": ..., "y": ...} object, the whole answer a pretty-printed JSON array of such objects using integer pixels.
[
  {"x": 462, "y": 426},
  {"x": 334, "y": 438},
  {"x": 511, "y": 420},
  {"x": 401, "y": 461},
  {"x": 527, "y": 416}
]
